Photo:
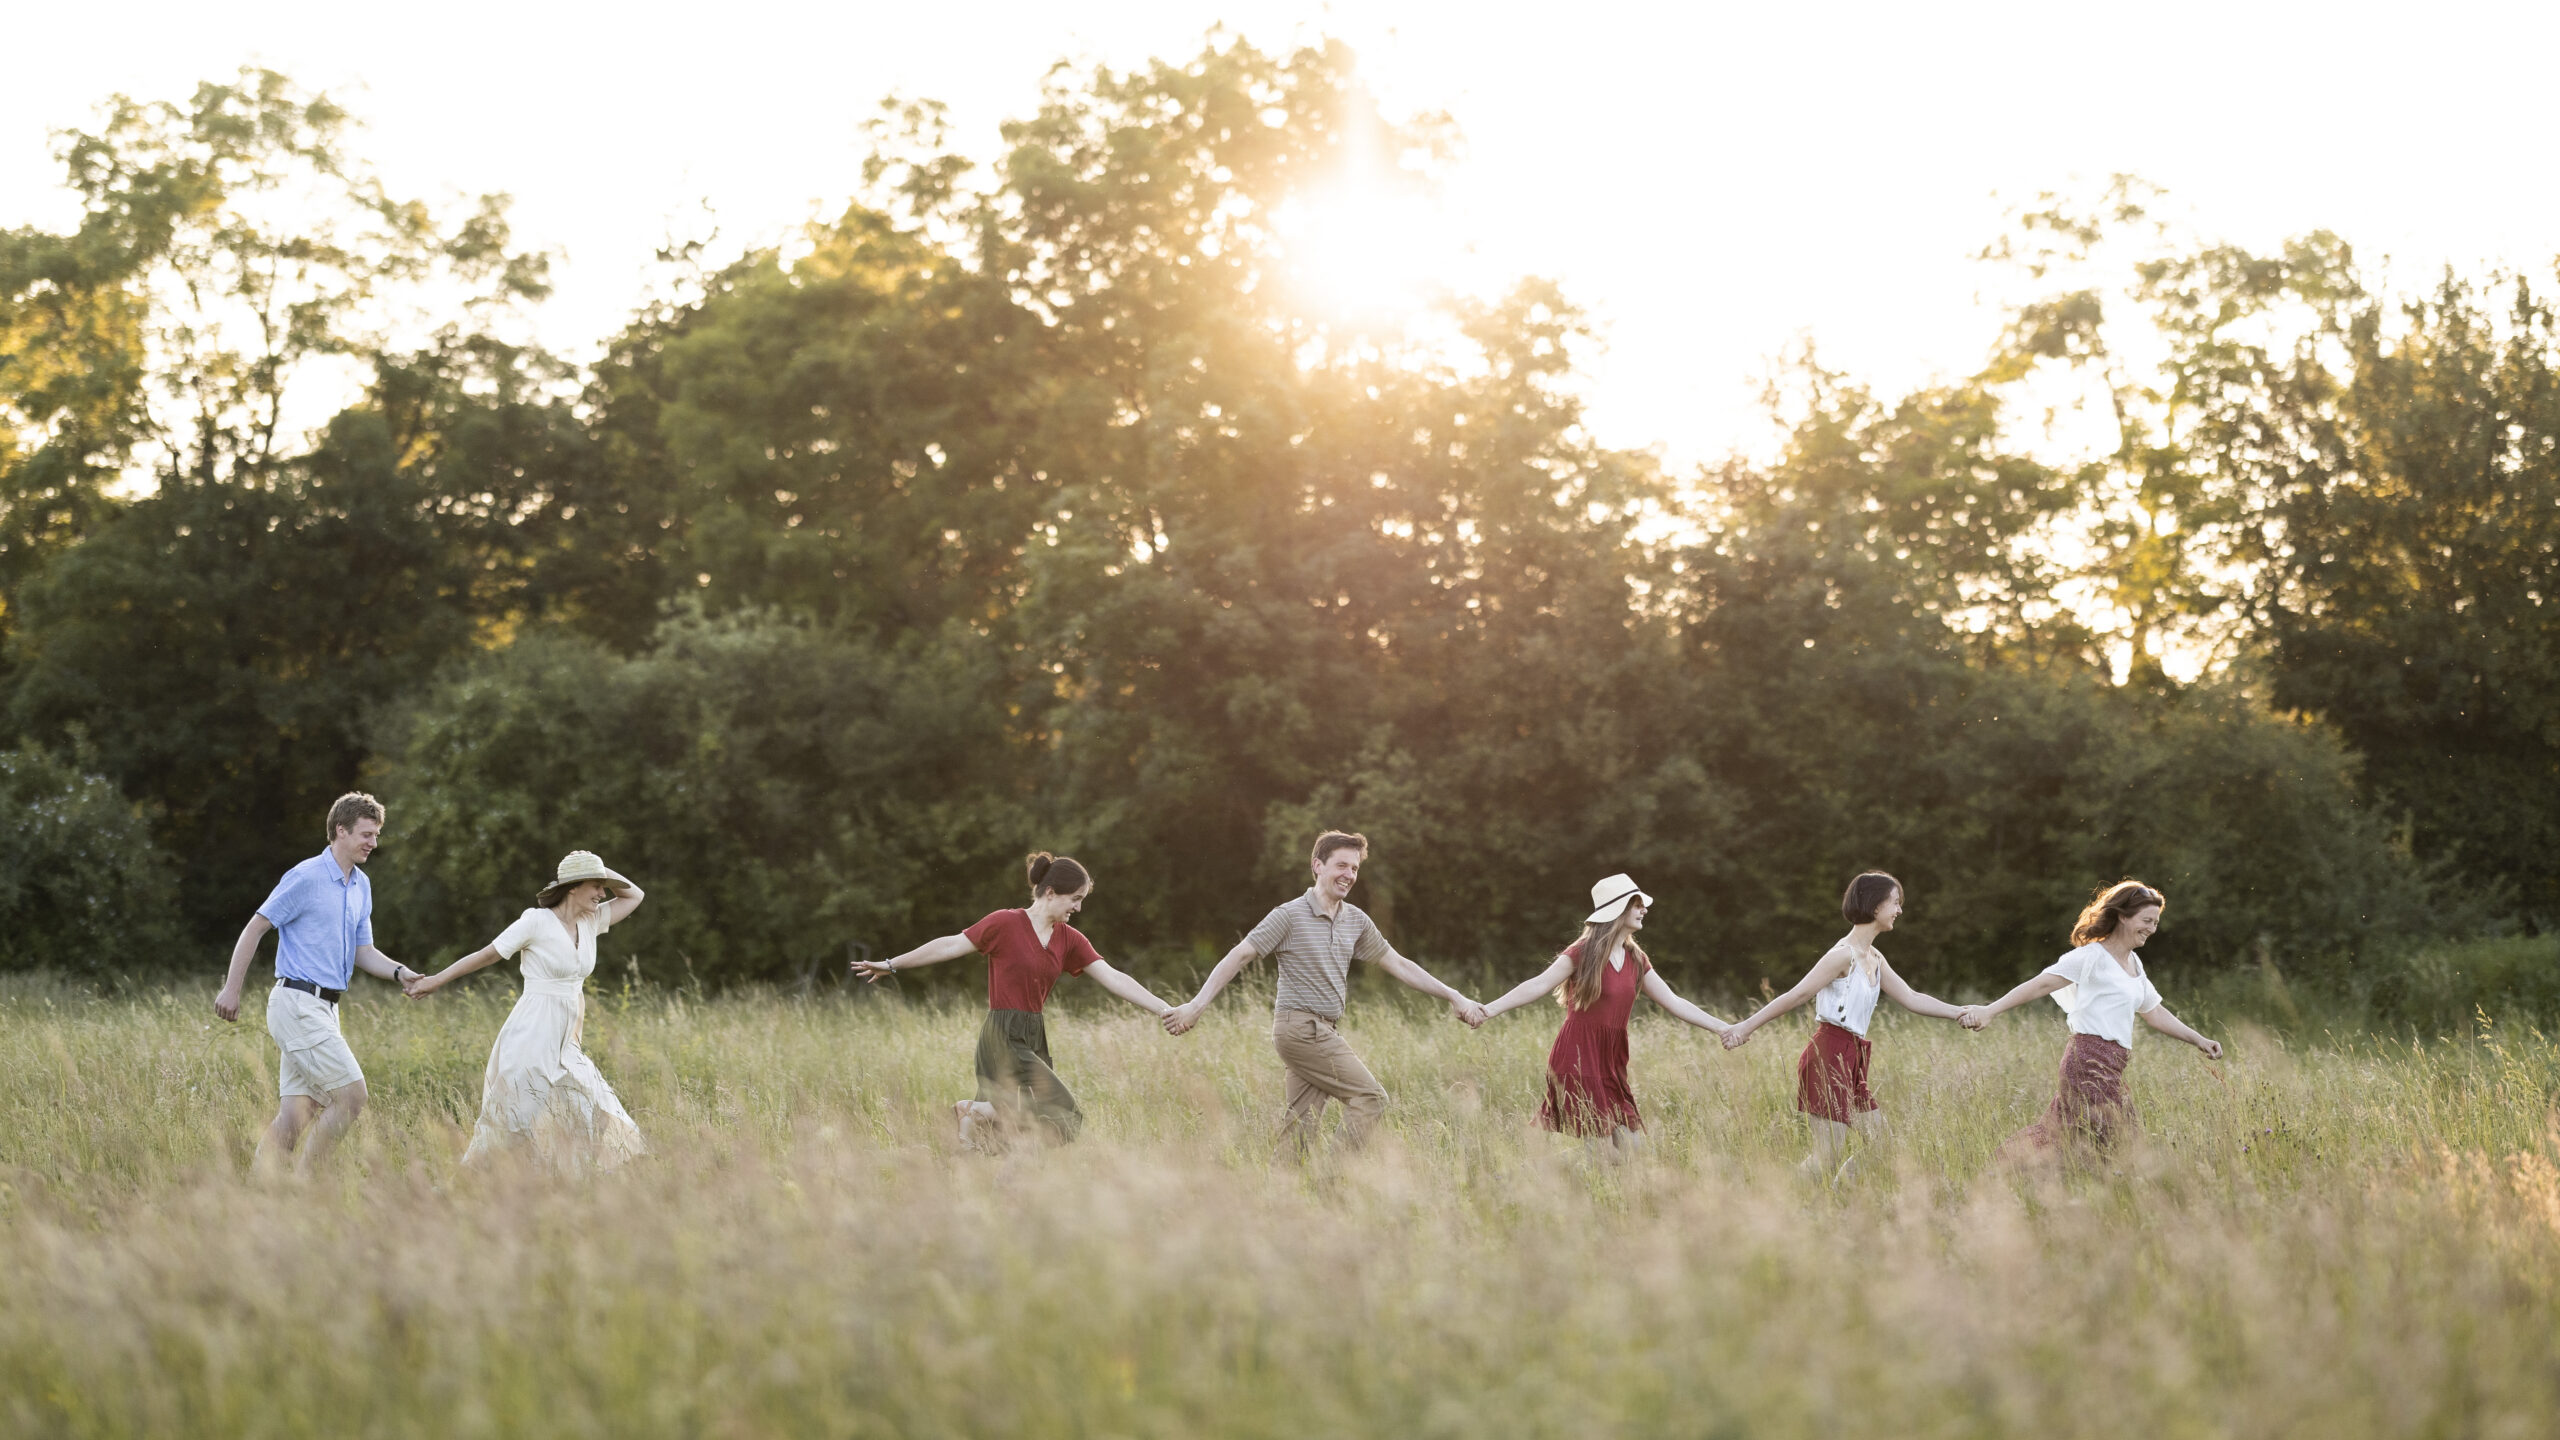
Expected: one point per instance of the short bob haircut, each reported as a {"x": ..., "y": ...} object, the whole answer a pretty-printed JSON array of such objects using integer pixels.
[{"x": 1858, "y": 904}]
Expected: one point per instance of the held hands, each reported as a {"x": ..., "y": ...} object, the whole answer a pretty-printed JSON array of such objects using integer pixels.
[
  {"x": 1974, "y": 1017},
  {"x": 1736, "y": 1036},
  {"x": 1181, "y": 1018},
  {"x": 420, "y": 985},
  {"x": 1469, "y": 1011}
]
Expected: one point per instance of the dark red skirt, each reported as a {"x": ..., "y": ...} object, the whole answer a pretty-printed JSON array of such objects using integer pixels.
[
  {"x": 1831, "y": 1075},
  {"x": 2090, "y": 1106},
  {"x": 1587, "y": 1090}
]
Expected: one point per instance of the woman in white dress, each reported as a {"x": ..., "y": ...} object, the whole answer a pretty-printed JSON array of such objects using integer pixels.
[{"x": 541, "y": 1091}]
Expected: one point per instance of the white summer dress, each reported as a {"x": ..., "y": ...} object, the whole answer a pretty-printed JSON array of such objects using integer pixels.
[{"x": 541, "y": 1091}]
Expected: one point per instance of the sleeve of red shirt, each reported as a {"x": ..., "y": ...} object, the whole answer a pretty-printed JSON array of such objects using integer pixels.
[
  {"x": 983, "y": 934},
  {"x": 1080, "y": 952}
]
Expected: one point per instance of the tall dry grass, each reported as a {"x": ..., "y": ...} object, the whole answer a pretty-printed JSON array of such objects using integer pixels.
[{"x": 2354, "y": 1238}]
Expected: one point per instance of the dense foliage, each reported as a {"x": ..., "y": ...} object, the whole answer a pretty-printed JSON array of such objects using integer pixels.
[
  {"x": 1025, "y": 505},
  {"x": 84, "y": 889}
]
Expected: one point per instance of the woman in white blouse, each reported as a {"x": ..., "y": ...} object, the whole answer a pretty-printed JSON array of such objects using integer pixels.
[
  {"x": 540, "y": 1090},
  {"x": 1844, "y": 985},
  {"x": 2101, "y": 987}
]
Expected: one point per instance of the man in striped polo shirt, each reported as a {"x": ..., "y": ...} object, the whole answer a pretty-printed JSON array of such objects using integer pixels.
[{"x": 1313, "y": 940}]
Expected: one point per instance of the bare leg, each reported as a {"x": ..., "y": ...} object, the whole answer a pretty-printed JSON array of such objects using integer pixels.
[
  {"x": 282, "y": 1134},
  {"x": 345, "y": 1104},
  {"x": 1626, "y": 1144},
  {"x": 1830, "y": 1150}
]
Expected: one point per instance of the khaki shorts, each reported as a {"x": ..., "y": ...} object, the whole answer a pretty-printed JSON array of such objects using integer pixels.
[{"x": 316, "y": 1059}]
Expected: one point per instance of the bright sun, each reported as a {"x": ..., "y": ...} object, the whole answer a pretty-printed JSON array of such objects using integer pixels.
[{"x": 1362, "y": 253}]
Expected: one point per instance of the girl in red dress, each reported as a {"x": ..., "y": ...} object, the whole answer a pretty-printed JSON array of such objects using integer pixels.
[{"x": 1597, "y": 978}]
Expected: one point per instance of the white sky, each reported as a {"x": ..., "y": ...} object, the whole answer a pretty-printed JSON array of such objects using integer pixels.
[{"x": 1712, "y": 181}]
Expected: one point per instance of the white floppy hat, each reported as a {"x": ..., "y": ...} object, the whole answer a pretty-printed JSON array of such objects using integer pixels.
[
  {"x": 1610, "y": 896},
  {"x": 575, "y": 867}
]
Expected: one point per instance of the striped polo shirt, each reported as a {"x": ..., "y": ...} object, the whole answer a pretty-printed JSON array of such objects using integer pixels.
[{"x": 1313, "y": 952}]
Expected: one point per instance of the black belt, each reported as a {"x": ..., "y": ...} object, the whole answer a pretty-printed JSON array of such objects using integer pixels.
[{"x": 310, "y": 987}]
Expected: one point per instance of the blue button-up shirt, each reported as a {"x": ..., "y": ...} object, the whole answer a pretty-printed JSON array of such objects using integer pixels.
[{"x": 322, "y": 916}]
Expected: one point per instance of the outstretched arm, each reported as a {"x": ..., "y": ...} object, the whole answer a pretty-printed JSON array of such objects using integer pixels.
[
  {"x": 931, "y": 952},
  {"x": 1423, "y": 980},
  {"x": 2035, "y": 987},
  {"x": 1182, "y": 1017},
  {"x": 2159, "y": 1018},
  {"x": 480, "y": 959},
  {"x": 1662, "y": 994},
  {"x": 1531, "y": 988},
  {"x": 1127, "y": 988},
  {"x": 1899, "y": 991},
  {"x": 617, "y": 909},
  {"x": 226, "y": 1003},
  {"x": 1830, "y": 967},
  {"x": 374, "y": 962}
]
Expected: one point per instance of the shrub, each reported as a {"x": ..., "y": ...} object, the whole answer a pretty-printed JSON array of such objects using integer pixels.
[{"x": 82, "y": 888}]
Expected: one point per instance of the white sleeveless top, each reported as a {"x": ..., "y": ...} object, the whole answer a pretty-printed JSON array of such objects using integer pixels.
[{"x": 1850, "y": 1001}]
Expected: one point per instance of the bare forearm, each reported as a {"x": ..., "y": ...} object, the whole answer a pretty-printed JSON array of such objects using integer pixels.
[
  {"x": 373, "y": 962},
  {"x": 1685, "y": 1009},
  {"x": 1420, "y": 979},
  {"x": 1225, "y": 970},
  {"x": 1128, "y": 987},
  {"x": 1779, "y": 1006},
  {"x": 2032, "y": 989},
  {"x": 1527, "y": 990},
  {"x": 933, "y": 952},
  {"x": 1929, "y": 1005},
  {"x": 480, "y": 959},
  {"x": 244, "y": 951}
]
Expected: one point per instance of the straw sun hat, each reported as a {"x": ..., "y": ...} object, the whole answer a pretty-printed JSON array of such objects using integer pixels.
[
  {"x": 576, "y": 867},
  {"x": 1610, "y": 897}
]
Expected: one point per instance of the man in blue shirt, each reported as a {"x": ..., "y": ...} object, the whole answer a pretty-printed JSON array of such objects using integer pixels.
[{"x": 322, "y": 913}]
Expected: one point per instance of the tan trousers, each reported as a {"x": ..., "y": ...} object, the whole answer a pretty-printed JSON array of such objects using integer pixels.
[{"x": 1320, "y": 1065}]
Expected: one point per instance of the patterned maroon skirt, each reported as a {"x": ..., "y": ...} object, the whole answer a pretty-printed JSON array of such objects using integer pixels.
[
  {"x": 2090, "y": 1106},
  {"x": 1831, "y": 1075}
]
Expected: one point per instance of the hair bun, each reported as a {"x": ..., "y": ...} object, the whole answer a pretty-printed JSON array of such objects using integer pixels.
[{"x": 1036, "y": 866}]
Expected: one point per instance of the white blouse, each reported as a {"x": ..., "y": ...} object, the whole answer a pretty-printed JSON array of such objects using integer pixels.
[
  {"x": 2101, "y": 999},
  {"x": 1850, "y": 1001}
]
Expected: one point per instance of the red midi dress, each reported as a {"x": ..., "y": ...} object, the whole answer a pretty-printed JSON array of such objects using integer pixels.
[{"x": 1587, "y": 1091}]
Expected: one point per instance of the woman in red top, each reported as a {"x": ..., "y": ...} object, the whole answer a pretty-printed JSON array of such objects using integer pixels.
[
  {"x": 1027, "y": 950},
  {"x": 1599, "y": 975}
]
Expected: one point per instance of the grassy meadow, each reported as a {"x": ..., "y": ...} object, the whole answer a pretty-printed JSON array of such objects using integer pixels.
[{"x": 2352, "y": 1236}]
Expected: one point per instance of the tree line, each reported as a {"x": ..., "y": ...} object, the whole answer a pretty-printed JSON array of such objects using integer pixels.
[{"x": 1021, "y": 506}]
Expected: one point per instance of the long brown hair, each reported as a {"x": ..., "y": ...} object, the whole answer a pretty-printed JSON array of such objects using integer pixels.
[
  {"x": 2111, "y": 906},
  {"x": 1600, "y": 940}
]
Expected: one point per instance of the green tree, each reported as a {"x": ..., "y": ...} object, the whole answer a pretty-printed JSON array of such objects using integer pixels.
[
  {"x": 83, "y": 890},
  {"x": 784, "y": 791},
  {"x": 2407, "y": 532}
]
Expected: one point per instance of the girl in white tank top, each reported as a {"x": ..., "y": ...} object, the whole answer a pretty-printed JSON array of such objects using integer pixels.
[{"x": 1844, "y": 985}]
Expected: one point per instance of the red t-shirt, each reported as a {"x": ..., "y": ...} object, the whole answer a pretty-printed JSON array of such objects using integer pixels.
[{"x": 1020, "y": 969}]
